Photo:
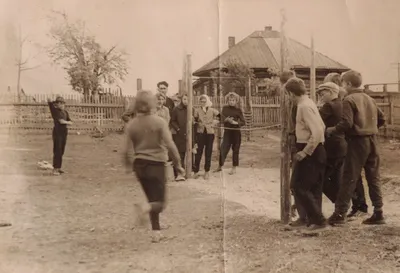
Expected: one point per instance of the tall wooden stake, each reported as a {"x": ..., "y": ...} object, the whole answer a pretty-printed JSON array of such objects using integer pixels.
[
  {"x": 312, "y": 71},
  {"x": 285, "y": 146},
  {"x": 138, "y": 84},
  {"x": 189, "y": 86}
]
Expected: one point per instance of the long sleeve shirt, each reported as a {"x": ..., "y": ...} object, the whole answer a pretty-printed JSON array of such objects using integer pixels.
[
  {"x": 57, "y": 114},
  {"x": 163, "y": 112},
  {"x": 235, "y": 113},
  {"x": 310, "y": 128},
  {"x": 129, "y": 112},
  {"x": 151, "y": 139},
  {"x": 361, "y": 116},
  {"x": 331, "y": 113}
]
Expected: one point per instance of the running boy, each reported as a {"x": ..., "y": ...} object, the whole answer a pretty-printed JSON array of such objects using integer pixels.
[
  {"x": 60, "y": 131},
  {"x": 151, "y": 140},
  {"x": 310, "y": 159},
  {"x": 360, "y": 122},
  {"x": 233, "y": 118}
]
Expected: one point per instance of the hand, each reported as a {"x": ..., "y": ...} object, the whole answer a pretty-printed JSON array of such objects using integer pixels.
[
  {"x": 234, "y": 122},
  {"x": 229, "y": 119},
  {"x": 300, "y": 156}
]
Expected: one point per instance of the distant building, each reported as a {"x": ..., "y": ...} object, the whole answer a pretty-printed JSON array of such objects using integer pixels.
[{"x": 260, "y": 51}]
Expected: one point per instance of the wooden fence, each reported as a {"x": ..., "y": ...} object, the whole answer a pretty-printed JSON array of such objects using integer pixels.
[
  {"x": 32, "y": 112},
  {"x": 105, "y": 112}
]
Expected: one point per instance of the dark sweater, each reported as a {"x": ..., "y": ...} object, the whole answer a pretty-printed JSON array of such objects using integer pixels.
[
  {"x": 57, "y": 114},
  {"x": 331, "y": 113},
  {"x": 235, "y": 113},
  {"x": 361, "y": 116}
]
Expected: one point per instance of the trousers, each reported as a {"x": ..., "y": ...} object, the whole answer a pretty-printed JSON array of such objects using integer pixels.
[
  {"x": 59, "y": 143},
  {"x": 362, "y": 153},
  {"x": 231, "y": 140}
]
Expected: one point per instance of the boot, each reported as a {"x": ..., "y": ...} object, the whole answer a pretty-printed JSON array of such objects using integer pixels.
[
  {"x": 376, "y": 219},
  {"x": 207, "y": 175},
  {"x": 337, "y": 219}
]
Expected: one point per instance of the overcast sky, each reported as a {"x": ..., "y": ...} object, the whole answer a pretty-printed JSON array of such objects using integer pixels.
[{"x": 362, "y": 34}]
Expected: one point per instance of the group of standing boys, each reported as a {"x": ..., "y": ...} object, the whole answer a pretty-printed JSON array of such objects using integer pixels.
[{"x": 332, "y": 146}]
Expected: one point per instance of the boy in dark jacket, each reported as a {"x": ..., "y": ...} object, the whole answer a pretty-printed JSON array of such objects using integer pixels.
[
  {"x": 233, "y": 119},
  {"x": 335, "y": 145},
  {"x": 360, "y": 121},
  {"x": 60, "y": 131}
]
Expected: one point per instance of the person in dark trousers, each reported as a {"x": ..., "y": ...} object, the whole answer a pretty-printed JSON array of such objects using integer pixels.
[
  {"x": 60, "y": 131},
  {"x": 310, "y": 159},
  {"x": 335, "y": 145},
  {"x": 233, "y": 118},
  {"x": 205, "y": 118},
  {"x": 151, "y": 140},
  {"x": 179, "y": 124},
  {"x": 359, "y": 207},
  {"x": 302, "y": 219},
  {"x": 360, "y": 122}
]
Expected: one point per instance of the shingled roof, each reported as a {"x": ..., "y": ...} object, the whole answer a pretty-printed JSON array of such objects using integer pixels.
[{"x": 261, "y": 49}]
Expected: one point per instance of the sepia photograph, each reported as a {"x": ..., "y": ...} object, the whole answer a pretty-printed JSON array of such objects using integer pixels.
[{"x": 199, "y": 136}]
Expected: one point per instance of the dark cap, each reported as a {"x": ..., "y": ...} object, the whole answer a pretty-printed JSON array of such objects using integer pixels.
[{"x": 60, "y": 99}]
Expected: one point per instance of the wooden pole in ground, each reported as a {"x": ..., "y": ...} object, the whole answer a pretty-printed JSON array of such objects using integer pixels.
[
  {"x": 312, "y": 71},
  {"x": 139, "y": 84},
  {"x": 189, "y": 86},
  {"x": 285, "y": 145}
]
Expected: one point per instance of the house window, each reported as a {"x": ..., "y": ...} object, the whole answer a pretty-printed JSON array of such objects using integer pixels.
[{"x": 261, "y": 89}]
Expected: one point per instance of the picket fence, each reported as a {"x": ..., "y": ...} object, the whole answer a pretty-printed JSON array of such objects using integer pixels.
[{"x": 104, "y": 112}]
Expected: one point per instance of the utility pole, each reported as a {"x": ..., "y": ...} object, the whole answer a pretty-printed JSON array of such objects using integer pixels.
[
  {"x": 312, "y": 71},
  {"x": 398, "y": 75},
  {"x": 285, "y": 145}
]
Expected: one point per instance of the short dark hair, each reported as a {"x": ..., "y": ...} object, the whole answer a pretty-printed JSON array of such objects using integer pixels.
[
  {"x": 352, "y": 77},
  {"x": 286, "y": 75},
  {"x": 296, "y": 86},
  {"x": 180, "y": 96},
  {"x": 162, "y": 83}
]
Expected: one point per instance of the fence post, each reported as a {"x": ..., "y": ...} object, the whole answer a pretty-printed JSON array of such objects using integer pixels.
[{"x": 139, "y": 84}]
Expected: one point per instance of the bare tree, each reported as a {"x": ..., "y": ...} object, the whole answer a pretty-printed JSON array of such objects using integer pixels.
[
  {"x": 87, "y": 64},
  {"x": 21, "y": 63}
]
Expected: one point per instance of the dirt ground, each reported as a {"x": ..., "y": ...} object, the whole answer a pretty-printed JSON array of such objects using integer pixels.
[{"x": 82, "y": 220}]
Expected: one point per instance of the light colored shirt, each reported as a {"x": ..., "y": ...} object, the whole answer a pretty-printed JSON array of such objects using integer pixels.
[
  {"x": 163, "y": 112},
  {"x": 310, "y": 127}
]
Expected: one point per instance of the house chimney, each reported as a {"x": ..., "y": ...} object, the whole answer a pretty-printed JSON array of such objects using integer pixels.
[
  {"x": 139, "y": 84},
  {"x": 268, "y": 28},
  {"x": 231, "y": 41}
]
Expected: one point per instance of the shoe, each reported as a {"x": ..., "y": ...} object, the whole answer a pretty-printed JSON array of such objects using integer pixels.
[
  {"x": 217, "y": 170},
  {"x": 180, "y": 178},
  {"x": 356, "y": 213},
  {"x": 337, "y": 219},
  {"x": 61, "y": 171},
  {"x": 56, "y": 172},
  {"x": 157, "y": 236},
  {"x": 315, "y": 227},
  {"x": 206, "y": 175},
  {"x": 298, "y": 223},
  {"x": 376, "y": 219},
  {"x": 232, "y": 171},
  {"x": 196, "y": 175}
]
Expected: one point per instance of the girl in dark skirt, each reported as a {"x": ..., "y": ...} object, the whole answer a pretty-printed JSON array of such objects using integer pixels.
[
  {"x": 151, "y": 140},
  {"x": 233, "y": 118}
]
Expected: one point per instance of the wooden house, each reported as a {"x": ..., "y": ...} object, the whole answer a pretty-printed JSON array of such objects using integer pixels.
[{"x": 261, "y": 51}]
